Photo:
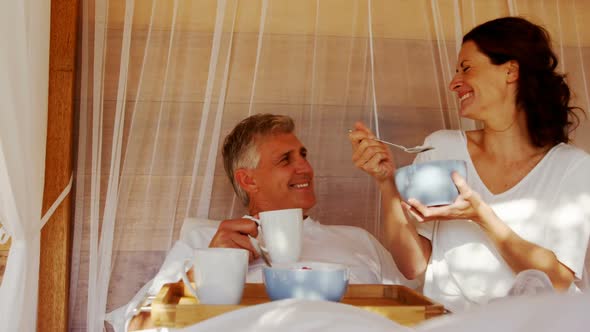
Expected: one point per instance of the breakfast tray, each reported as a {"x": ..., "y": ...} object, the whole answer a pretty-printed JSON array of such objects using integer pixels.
[{"x": 174, "y": 306}]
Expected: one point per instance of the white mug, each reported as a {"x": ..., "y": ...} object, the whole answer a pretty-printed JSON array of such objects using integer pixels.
[
  {"x": 282, "y": 234},
  {"x": 220, "y": 275}
]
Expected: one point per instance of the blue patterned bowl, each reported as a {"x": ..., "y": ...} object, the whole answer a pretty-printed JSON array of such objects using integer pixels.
[
  {"x": 306, "y": 280},
  {"x": 430, "y": 182}
]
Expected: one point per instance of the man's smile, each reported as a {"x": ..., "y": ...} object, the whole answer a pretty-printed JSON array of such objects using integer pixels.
[{"x": 300, "y": 185}]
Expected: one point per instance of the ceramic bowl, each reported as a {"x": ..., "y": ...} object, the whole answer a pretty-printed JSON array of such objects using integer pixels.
[
  {"x": 306, "y": 280},
  {"x": 430, "y": 182}
]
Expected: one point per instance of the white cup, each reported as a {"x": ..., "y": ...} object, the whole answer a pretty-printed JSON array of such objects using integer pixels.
[
  {"x": 220, "y": 275},
  {"x": 281, "y": 232}
]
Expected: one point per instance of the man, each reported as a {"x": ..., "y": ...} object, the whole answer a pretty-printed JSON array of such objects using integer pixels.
[{"x": 268, "y": 168}]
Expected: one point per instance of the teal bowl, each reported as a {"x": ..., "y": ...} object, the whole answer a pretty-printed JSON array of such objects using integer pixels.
[
  {"x": 306, "y": 280},
  {"x": 430, "y": 182}
]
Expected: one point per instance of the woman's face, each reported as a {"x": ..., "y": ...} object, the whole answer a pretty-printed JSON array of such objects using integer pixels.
[{"x": 481, "y": 86}]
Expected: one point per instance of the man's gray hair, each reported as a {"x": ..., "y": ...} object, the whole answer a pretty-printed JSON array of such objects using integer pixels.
[{"x": 240, "y": 148}]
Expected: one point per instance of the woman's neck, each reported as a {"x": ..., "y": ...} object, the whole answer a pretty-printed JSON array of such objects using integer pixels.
[{"x": 507, "y": 139}]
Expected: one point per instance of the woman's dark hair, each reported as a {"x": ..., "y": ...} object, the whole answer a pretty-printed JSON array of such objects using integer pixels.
[{"x": 542, "y": 93}]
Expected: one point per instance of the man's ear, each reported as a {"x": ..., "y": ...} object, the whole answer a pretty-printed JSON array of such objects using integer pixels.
[
  {"x": 246, "y": 180},
  {"x": 512, "y": 71}
]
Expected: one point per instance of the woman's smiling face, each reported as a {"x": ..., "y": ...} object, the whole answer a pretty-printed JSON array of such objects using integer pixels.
[{"x": 480, "y": 85}]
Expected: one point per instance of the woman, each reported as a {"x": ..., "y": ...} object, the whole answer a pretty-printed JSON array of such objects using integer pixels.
[{"x": 523, "y": 204}]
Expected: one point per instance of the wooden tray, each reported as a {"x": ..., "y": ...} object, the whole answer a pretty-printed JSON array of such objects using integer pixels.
[{"x": 174, "y": 306}]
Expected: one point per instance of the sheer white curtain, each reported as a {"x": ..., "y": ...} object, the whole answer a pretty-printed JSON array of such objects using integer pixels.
[
  {"x": 163, "y": 81},
  {"x": 24, "y": 64}
]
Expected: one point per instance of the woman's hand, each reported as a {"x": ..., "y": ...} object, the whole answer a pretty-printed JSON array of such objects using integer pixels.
[
  {"x": 468, "y": 205},
  {"x": 371, "y": 156}
]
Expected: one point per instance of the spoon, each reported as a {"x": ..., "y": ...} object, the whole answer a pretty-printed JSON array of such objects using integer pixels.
[
  {"x": 415, "y": 149},
  {"x": 262, "y": 251}
]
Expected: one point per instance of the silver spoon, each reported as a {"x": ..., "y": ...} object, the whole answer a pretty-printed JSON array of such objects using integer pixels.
[
  {"x": 415, "y": 149},
  {"x": 262, "y": 251}
]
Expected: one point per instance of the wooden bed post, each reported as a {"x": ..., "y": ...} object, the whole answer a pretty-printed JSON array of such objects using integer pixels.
[{"x": 56, "y": 236}]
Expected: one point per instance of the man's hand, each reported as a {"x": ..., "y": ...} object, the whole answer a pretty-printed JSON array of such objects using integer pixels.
[{"x": 233, "y": 233}]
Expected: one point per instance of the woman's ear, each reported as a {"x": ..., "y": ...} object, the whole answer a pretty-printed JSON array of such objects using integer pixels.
[
  {"x": 512, "y": 71},
  {"x": 246, "y": 180}
]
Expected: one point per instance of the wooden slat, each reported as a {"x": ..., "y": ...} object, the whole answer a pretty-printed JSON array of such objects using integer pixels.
[
  {"x": 5, "y": 246},
  {"x": 391, "y": 19},
  {"x": 54, "y": 269},
  {"x": 4, "y": 250}
]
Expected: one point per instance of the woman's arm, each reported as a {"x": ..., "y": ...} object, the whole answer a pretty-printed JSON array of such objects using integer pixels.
[
  {"x": 518, "y": 253},
  {"x": 521, "y": 254},
  {"x": 410, "y": 251}
]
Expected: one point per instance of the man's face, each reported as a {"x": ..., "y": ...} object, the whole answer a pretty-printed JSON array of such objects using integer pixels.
[{"x": 284, "y": 177}]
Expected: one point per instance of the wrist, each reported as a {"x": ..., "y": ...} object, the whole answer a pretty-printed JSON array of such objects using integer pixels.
[
  {"x": 481, "y": 213},
  {"x": 492, "y": 225},
  {"x": 387, "y": 186}
]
